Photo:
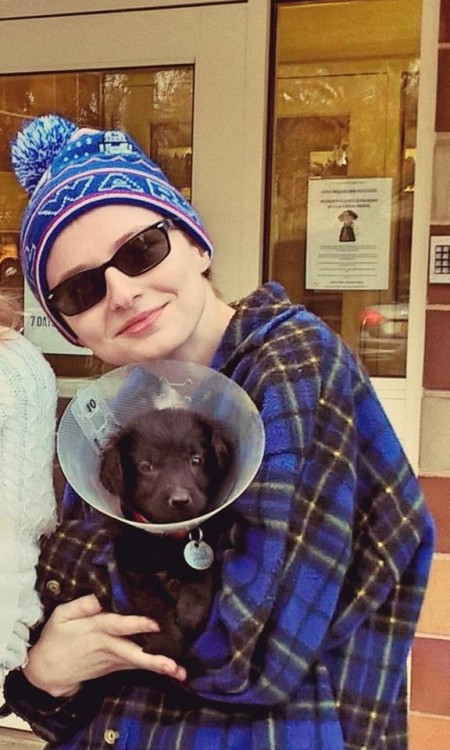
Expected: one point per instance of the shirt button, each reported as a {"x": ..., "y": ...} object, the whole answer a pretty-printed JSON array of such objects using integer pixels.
[
  {"x": 54, "y": 587},
  {"x": 110, "y": 736}
]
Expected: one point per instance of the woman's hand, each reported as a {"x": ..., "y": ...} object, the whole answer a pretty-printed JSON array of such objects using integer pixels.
[{"x": 81, "y": 642}]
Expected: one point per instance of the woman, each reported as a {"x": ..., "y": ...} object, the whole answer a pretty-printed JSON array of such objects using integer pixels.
[
  {"x": 27, "y": 424},
  {"x": 307, "y": 641}
]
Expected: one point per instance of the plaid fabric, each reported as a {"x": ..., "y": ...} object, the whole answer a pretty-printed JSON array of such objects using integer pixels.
[{"x": 306, "y": 645}]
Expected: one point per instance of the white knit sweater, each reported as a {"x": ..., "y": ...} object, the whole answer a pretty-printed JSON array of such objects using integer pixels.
[{"x": 27, "y": 500}]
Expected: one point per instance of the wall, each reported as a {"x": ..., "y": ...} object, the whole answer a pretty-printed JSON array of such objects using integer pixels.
[{"x": 430, "y": 664}]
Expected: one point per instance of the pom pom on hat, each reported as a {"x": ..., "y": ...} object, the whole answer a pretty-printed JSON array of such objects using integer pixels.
[
  {"x": 36, "y": 146},
  {"x": 69, "y": 171}
]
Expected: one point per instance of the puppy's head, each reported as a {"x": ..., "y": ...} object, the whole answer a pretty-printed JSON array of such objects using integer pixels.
[{"x": 166, "y": 465}]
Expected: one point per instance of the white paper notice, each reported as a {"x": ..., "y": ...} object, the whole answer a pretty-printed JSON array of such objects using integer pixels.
[{"x": 348, "y": 233}]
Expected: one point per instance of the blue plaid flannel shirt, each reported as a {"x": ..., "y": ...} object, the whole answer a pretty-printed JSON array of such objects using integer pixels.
[{"x": 308, "y": 637}]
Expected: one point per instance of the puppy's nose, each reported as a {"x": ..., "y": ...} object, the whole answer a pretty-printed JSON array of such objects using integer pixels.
[{"x": 179, "y": 499}]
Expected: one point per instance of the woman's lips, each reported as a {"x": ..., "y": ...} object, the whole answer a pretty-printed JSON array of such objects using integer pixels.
[{"x": 140, "y": 322}]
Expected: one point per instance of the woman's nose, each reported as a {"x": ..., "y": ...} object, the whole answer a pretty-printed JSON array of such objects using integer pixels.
[{"x": 121, "y": 290}]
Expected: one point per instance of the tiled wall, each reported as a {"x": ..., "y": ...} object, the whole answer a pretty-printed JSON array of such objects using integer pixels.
[{"x": 430, "y": 663}]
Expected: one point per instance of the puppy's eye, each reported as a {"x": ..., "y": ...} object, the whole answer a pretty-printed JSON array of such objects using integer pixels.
[
  {"x": 196, "y": 460},
  {"x": 145, "y": 467}
]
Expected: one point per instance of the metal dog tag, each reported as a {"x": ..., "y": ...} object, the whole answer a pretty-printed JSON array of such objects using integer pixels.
[{"x": 198, "y": 554}]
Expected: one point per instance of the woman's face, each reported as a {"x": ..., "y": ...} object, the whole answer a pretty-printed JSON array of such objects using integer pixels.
[{"x": 160, "y": 314}]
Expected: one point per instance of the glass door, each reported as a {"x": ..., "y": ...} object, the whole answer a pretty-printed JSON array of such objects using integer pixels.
[
  {"x": 343, "y": 163},
  {"x": 188, "y": 85},
  {"x": 343, "y": 158}
]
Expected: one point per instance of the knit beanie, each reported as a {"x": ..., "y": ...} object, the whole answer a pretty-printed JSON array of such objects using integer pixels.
[{"x": 68, "y": 171}]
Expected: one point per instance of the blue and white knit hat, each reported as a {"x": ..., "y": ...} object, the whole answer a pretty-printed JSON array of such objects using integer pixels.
[{"x": 67, "y": 172}]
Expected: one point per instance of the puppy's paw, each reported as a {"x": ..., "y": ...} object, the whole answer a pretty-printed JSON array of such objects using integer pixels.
[
  {"x": 168, "y": 643},
  {"x": 191, "y": 612}
]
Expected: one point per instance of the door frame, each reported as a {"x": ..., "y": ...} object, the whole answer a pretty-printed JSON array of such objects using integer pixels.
[{"x": 420, "y": 233}]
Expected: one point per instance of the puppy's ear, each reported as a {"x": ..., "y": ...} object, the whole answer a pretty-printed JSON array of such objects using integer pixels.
[
  {"x": 222, "y": 447},
  {"x": 110, "y": 473}
]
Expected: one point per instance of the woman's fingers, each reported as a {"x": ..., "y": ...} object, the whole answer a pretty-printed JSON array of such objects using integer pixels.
[
  {"x": 129, "y": 655},
  {"x": 89, "y": 607},
  {"x": 124, "y": 625}
]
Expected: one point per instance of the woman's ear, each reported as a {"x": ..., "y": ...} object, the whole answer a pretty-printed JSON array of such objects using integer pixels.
[
  {"x": 205, "y": 261},
  {"x": 201, "y": 256}
]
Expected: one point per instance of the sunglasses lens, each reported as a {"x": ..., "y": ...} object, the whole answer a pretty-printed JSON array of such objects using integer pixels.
[
  {"x": 138, "y": 255},
  {"x": 80, "y": 292},
  {"x": 142, "y": 252}
]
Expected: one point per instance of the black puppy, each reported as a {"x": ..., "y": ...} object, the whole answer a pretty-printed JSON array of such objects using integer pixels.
[{"x": 166, "y": 466}]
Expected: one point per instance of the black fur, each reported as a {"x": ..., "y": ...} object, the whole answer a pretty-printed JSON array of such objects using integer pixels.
[{"x": 167, "y": 466}]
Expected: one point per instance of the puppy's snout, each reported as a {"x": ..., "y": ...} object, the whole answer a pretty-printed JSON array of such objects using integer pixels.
[{"x": 180, "y": 499}]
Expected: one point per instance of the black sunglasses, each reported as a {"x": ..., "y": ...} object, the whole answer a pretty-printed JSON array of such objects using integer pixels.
[{"x": 143, "y": 251}]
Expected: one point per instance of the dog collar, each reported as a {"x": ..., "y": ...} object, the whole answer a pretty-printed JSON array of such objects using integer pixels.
[
  {"x": 140, "y": 518},
  {"x": 197, "y": 553}
]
